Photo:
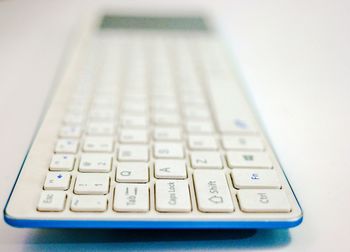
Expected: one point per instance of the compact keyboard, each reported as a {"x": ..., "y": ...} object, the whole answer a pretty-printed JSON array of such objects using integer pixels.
[{"x": 149, "y": 128}]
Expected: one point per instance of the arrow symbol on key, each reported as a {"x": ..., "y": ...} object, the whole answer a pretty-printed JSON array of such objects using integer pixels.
[{"x": 216, "y": 199}]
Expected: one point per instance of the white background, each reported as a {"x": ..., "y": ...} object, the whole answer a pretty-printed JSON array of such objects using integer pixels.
[{"x": 295, "y": 58}]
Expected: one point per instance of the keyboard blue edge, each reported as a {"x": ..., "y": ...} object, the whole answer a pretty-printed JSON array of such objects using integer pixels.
[{"x": 150, "y": 224}]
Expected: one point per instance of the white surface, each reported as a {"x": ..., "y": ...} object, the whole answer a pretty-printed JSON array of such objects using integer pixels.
[{"x": 295, "y": 58}]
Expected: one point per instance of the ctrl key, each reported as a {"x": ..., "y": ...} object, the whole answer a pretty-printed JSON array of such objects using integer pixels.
[
  {"x": 263, "y": 201},
  {"x": 52, "y": 201}
]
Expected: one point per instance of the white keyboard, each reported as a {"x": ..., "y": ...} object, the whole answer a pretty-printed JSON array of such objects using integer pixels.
[{"x": 150, "y": 128}]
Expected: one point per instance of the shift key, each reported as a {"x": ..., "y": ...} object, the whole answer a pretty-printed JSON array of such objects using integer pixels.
[{"x": 213, "y": 194}]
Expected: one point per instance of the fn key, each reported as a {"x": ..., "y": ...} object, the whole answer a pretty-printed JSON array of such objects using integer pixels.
[{"x": 268, "y": 201}]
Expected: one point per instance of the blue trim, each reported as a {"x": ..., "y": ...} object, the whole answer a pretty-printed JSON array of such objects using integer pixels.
[{"x": 151, "y": 224}]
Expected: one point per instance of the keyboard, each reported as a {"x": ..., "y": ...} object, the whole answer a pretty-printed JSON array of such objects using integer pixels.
[{"x": 149, "y": 127}]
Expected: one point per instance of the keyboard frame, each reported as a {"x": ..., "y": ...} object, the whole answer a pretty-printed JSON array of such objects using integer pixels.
[{"x": 23, "y": 213}]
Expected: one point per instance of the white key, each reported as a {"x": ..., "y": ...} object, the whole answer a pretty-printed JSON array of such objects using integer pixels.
[
  {"x": 101, "y": 101},
  {"x": 131, "y": 198},
  {"x": 73, "y": 119},
  {"x": 173, "y": 196},
  {"x": 105, "y": 114},
  {"x": 213, "y": 194},
  {"x": 134, "y": 107},
  {"x": 255, "y": 178},
  {"x": 134, "y": 121},
  {"x": 52, "y": 201},
  {"x": 193, "y": 100},
  {"x": 62, "y": 162},
  {"x": 170, "y": 169},
  {"x": 206, "y": 159},
  {"x": 135, "y": 98},
  {"x": 236, "y": 125},
  {"x": 133, "y": 136},
  {"x": 166, "y": 119},
  {"x": 168, "y": 150},
  {"x": 57, "y": 181},
  {"x": 198, "y": 127},
  {"x": 132, "y": 172},
  {"x": 240, "y": 159},
  {"x": 268, "y": 200},
  {"x": 70, "y": 131},
  {"x": 167, "y": 133},
  {"x": 168, "y": 106},
  {"x": 66, "y": 146},
  {"x": 92, "y": 183},
  {"x": 100, "y": 128},
  {"x": 245, "y": 143},
  {"x": 98, "y": 144},
  {"x": 95, "y": 163},
  {"x": 193, "y": 113},
  {"x": 202, "y": 143},
  {"x": 89, "y": 203},
  {"x": 76, "y": 109},
  {"x": 133, "y": 153}
]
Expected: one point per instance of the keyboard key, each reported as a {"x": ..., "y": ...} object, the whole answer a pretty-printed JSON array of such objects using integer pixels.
[
  {"x": 199, "y": 127},
  {"x": 92, "y": 183},
  {"x": 240, "y": 159},
  {"x": 166, "y": 119},
  {"x": 57, "y": 181},
  {"x": 132, "y": 172},
  {"x": 89, "y": 203},
  {"x": 168, "y": 150},
  {"x": 255, "y": 178},
  {"x": 100, "y": 128},
  {"x": 172, "y": 196},
  {"x": 236, "y": 125},
  {"x": 95, "y": 163},
  {"x": 198, "y": 100},
  {"x": 62, "y": 162},
  {"x": 207, "y": 160},
  {"x": 134, "y": 121},
  {"x": 52, "y": 201},
  {"x": 202, "y": 142},
  {"x": 98, "y": 144},
  {"x": 73, "y": 119},
  {"x": 105, "y": 114},
  {"x": 164, "y": 105},
  {"x": 133, "y": 136},
  {"x": 76, "y": 109},
  {"x": 213, "y": 194},
  {"x": 131, "y": 198},
  {"x": 170, "y": 169},
  {"x": 66, "y": 146},
  {"x": 268, "y": 200},
  {"x": 133, "y": 153},
  {"x": 70, "y": 131},
  {"x": 196, "y": 113},
  {"x": 167, "y": 133},
  {"x": 134, "y": 107},
  {"x": 245, "y": 143}
]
